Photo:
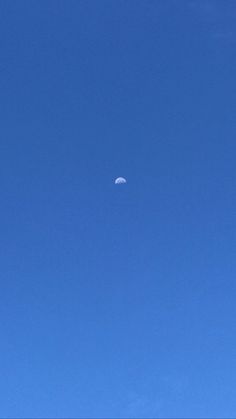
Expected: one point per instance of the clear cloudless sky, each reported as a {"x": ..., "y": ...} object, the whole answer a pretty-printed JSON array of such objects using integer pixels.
[{"x": 117, "y": 300}]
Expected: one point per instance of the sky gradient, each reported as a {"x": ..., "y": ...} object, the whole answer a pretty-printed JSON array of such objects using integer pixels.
[{"x": 118, "y": 300}]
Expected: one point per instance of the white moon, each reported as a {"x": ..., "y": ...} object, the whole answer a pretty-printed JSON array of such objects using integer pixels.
[{"x": 120, "y": 180}]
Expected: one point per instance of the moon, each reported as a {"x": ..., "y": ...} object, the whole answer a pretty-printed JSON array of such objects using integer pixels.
[{"x": 120, "y": 181}]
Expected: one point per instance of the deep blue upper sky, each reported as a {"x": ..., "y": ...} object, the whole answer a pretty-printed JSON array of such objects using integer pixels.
[{"x": 117, "y": 300}]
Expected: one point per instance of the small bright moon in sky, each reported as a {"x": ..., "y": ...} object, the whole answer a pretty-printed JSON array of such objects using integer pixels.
[{"x": 120, "y": 180}]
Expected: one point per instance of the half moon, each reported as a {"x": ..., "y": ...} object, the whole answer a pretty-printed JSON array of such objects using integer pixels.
[{"x": 120, "y": 180}]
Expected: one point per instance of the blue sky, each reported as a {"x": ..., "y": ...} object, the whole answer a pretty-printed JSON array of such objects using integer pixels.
[{"x": 117, "y": 300}]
